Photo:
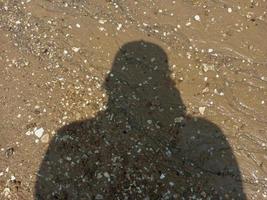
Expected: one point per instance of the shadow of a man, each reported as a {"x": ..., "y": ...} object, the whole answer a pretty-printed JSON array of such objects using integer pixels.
[{"x": 143, "y": 146}]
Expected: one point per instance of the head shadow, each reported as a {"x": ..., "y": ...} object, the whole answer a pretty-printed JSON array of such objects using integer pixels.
[
  {"x": 139, "y": 84},
  {"x": 143, "y": 146}
]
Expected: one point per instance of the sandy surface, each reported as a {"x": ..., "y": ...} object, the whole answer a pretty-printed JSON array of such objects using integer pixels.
[{"x": 109, "y": 99}]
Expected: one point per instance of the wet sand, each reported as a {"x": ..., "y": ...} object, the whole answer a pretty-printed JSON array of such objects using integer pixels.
[{"x": 56, "y": 57}]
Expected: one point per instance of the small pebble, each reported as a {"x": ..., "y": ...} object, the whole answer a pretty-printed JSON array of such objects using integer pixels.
[
  {"x": 162, "y": 176},
  {"x": 202, "y": 110},
  {"x": 99, "y": 197},
  {"x": 39, "y": 132},
  {"x": 45, "y": 138},
  {"x": 197, "y": 18},
  {"x": 75, "y": 49}
]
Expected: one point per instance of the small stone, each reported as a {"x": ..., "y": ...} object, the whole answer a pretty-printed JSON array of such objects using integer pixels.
[
  {"x": 162, "y": 176},
  {"x": 78, "y": 25},
  {"x": 210, "y": 50},
  {"x": 171, "y": 184},
  {"x": 106, "y": 174},
  {"x": 9, "y": 152},
  {"x": 99, "y": 197},
  {"x": 178, "y": 119},
  {"x": 68, "y": 158},
  {"x": 203, "y": 194},
  {"x": 119, "y": 27},
  {"x": 102, "y": 21},
  {"x": 45, "y": 138},
  {"x": 12, "y": 178},
  {"x": 205, "y": 90},
  {"x": 197, "y": 18},
  {"x": 101, "y": 28},
  {"x": 152, "y": 59},
  {"x": 75, "y": 49},
  {"x": 149, "y": 121},
  {"x": 229, "y": 10},
  {"x": 39, "y": 132},
  {"x": 207, "y": 67},
  {"x": 6, "y": 192},
  {"x": 202, "y": 110},
  {"x": 99, "y": 176},
  {"x": 188, "y": 24},
  {"x": 168, "y": 153}
]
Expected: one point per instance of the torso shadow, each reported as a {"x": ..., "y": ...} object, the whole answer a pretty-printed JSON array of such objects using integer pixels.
[{"x": 143, "y": 146}]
